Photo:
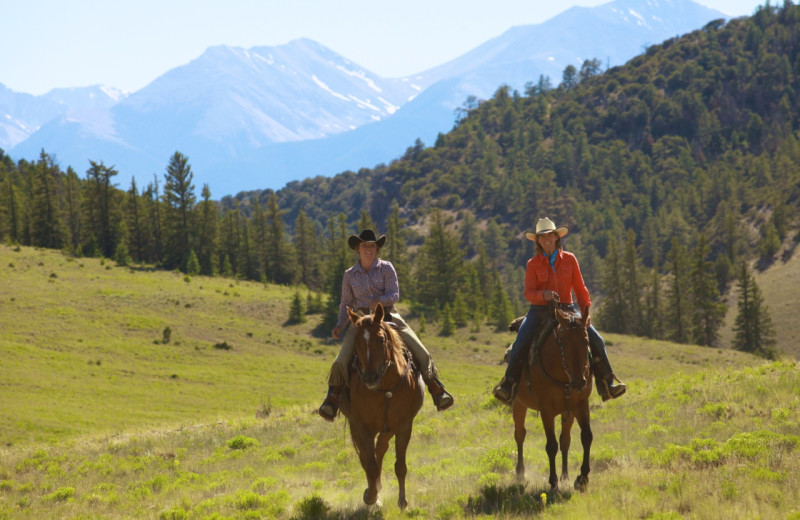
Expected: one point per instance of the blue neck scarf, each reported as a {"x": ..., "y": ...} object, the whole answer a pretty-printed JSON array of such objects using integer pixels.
[{"x": 552, "y": 258}]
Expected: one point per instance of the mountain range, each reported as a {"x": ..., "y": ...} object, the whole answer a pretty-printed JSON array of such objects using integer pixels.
[{"x": 261, "y": 117}]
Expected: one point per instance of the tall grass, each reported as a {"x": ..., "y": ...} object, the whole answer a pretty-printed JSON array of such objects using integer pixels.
[{"x": 701, "y": 433}]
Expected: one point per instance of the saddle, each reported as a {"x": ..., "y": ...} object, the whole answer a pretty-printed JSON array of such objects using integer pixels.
[{"x": 531, "y": 350}]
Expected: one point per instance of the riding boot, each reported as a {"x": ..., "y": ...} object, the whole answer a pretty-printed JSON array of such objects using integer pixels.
[
  {"x": 504, "y": 391},
  {"x": 608, "y": 385},
  {"x": 442, "y": 400},
  {"x": 330, "y": 406}
]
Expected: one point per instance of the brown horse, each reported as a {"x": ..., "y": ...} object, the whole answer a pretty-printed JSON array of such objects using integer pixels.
[
  {"x": 558, "y": 382},
  {"x": 385, "y": 396}
]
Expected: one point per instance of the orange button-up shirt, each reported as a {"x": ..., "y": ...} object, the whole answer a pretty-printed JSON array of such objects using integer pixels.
[{"x": 540, "y": 277}]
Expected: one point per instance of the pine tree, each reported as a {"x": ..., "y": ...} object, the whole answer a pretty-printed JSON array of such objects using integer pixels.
[
  {"x": 395, "y": 250},
  {"x": 612, "y": 313},
  {"x": 501, "y": 305},
  {"x": 439, "y": 266},
  {"x": 709, "y": 311},
  {"x": 73, "y": 196},
  {"x": 102, "y": 207},
  {"x": 280, "y": 260},
  {"x": 180, "y": 200},
  {"x": 296, "y": 311},
  {"x": 753, "y": 326},
  {"x": 45, "y": 223},
  {"x": 136, "y": 224},
  {"x": 632, "y": 286},
  {"x": 192, "y": 264},
  {"x": 305, "y": 246},
  {"x": 678, "y": 298},
  {"x": 338, "y": 263},
  {"x": 448, "y": 326},
  {"x": 207, "y": 234},
  {"x": 365, "y": 222}
]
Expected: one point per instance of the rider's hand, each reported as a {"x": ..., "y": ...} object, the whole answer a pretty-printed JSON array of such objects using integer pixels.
[{"x": 548, "y": 295}]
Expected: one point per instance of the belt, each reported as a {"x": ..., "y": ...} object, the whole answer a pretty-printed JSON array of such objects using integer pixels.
[{"x": 366, "y": 310}]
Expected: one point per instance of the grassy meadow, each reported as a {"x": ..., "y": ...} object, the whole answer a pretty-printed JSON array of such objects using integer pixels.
[{"x": 103, "y": 418}]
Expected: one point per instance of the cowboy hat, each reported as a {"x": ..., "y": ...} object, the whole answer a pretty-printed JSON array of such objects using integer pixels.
[
  {"x": 367, "y": 235},
  {"x": 545, "y": 225}
]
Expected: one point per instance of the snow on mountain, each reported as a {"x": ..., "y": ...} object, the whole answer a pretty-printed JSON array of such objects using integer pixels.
[{"x": 261, "y": 117}]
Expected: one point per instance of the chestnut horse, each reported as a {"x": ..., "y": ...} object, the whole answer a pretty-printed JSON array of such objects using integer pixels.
[
  {"x": 385, "y": 396},
  {"x": 558, "y": 382}
]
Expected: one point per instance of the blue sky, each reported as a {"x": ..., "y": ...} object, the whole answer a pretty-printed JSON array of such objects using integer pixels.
[{"x": 126, "y": 44}]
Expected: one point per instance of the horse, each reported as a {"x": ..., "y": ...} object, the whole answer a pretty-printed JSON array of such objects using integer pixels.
[
  {"x": 386, "y": 393},
  {"x": 558, "y": 382}
]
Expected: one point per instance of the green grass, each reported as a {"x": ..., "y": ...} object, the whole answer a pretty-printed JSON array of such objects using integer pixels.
[{"x": 101, "y": 419}]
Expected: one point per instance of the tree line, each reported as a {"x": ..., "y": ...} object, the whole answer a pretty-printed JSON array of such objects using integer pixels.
[{"x": 671, "y": 172}]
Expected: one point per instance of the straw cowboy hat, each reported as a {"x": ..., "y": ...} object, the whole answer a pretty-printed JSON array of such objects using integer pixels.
[
  {"x": 368, "y": 235},
  {"x": 545, "y": 225}
]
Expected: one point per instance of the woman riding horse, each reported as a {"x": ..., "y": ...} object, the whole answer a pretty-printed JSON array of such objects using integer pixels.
[
  {"x": 552, "y": 274},
  {"x": 369, "y": 282}
]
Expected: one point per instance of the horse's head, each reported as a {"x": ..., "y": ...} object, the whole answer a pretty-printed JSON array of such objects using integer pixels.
[
  {"x": 374, "y": 344},
  {"x": 573, "y": 340}
]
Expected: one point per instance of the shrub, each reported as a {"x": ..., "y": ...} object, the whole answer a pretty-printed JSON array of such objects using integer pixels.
[
  {"x": 313, "y": 507},
  {"x": 223, "y": 346},
  {"x": 240, "y": 442},
  {"x": 61, "y": 494}
]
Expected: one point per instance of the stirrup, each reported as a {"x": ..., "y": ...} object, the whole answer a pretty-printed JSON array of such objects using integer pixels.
[
  {"x": 443, "y": 401},
  {"x": 504, "y": 391},
  {"x": 608, "y": 390}
]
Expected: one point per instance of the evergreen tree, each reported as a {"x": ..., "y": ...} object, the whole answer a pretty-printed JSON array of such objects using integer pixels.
[
  {"x": 709, "y": 311},
  {"x": 136, "y": 224},
  {"x": 192, "y": 264},
  {"x": 73, "y": 196},
  {"x": 305, "y": 247},
  {"x": 338, "y": 262},
  {"x": 753, "y": 326},
  {"x": 501, "y": 305},
  {"x": 207, "y": 234},
  {"x": 102, "y": 207},
  {"x": 395, "y": 250},
  {"x": 613, "y": 312},
  {"x": 448, "y": 326},
  {"x": 632, "y": 286},
  {"x": 45, "y": 223},
  {"x": 280, "y": 260},
  {"x": 439, "y": 266},
  {"x": 678, "y": 297},
  {"x": 121, "y": 254},
  {"x": 180, "y": 200},
  {"x": 365, "y": 222},
  {"x": 297, "y": 313},
  {"x": 153, "y": 209},
  {"x": 653, "y": 319}
]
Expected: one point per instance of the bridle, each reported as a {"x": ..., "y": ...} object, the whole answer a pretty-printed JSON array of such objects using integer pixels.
[
  {"x": 571, "y": 383},
  {"x": 387, "y": 394}
]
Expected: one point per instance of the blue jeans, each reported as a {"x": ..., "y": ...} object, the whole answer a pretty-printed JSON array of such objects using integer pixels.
[{"x": 525, "y": 337}]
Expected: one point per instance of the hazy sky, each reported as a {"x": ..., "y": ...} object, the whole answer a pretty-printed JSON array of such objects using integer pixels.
[{"x": 126, "y": 44}]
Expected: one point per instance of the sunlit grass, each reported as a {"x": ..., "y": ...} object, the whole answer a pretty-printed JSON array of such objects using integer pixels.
[{"x": 104, "y": 420}]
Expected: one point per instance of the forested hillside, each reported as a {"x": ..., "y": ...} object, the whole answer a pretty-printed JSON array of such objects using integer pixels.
[{"x": 670, "y": 171}]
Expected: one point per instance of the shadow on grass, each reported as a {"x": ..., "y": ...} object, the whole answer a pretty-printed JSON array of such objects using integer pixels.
[
  {"x": 513, "y": 500},
  {"x": 315, "y": 508}
]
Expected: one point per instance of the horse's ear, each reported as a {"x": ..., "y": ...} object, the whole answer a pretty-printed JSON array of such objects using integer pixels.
[
  {"x": 377, "y": 315},
  {"x": 562, "y": 317},
  {"x": 353, "y": 316},
  {"x": 587, "y": 319}
]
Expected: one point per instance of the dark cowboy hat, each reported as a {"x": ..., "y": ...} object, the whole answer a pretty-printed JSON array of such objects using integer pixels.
[{"x": 368, "y": 235}]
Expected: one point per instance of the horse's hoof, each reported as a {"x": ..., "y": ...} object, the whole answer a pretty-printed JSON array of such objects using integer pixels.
[
  {"x": 581, "y": 482},
  {"x": 402, "y": 503},
  {"x": 370, "y": 499}
]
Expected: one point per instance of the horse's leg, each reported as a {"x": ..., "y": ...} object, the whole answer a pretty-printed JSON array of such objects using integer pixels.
[
  {"x": 366, "y": 454},
  {"x": 586, "y": 440},
  {"x": 381, "y": 446},
  {"x": 519, "y": 412},
  {"x": 567, "y": 419},
  {"x": 548, "y": 422},
  {"x": 400, "y": 468}
]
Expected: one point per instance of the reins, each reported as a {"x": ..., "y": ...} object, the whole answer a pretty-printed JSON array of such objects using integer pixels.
[
  {"x": 570, "y": 382},
  {"x": 387, "y": 394}
]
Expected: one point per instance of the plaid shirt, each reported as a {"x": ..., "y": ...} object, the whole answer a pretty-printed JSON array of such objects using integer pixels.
[{"x": 365, "y": 289}]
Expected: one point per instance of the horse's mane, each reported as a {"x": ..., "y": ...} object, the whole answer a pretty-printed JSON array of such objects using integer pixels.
[{"x": 396, "y": 345}]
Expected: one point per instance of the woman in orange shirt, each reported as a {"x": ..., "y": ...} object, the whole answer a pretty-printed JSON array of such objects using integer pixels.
[{"x": 554, "y": 273}]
